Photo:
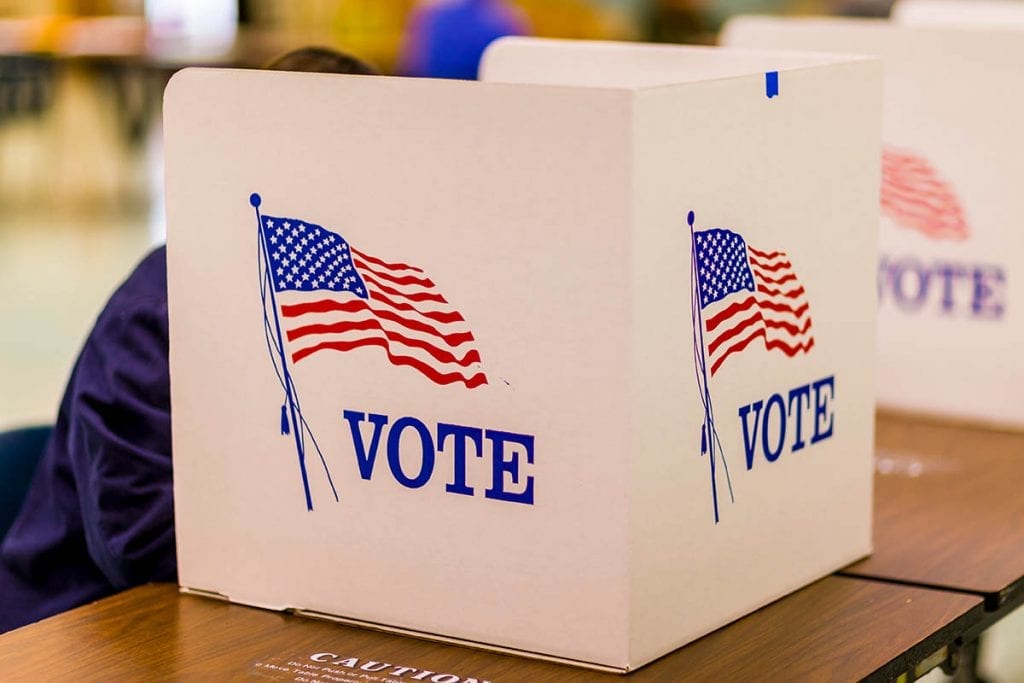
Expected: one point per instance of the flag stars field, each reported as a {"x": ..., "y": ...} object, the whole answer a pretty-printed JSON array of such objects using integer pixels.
[
  {"x": 339, "y": 298},
  {"x": 743, "y": 298}
]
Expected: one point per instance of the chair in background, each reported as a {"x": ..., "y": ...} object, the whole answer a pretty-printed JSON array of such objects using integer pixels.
[{"x": 20, "y": 450}]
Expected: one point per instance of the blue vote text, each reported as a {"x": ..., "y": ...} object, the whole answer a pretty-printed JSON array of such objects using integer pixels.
[
  {"x": 955, "y": 289},
  {"x": 800, "y": 417},
  {"x": 411, "y": 449}
]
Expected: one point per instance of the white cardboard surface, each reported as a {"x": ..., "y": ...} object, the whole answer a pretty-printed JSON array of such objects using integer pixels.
[
  {"x": 950, "y": 325},
  {"x": 991, "y": 14},
  {"x": 554, "y": 219}
]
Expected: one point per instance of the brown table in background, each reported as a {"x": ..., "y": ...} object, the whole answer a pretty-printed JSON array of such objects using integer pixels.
[
  {"x": 836, "y": 629},
  {"x": 949, "y": 514},
  {"x": 949, "y": 510}
]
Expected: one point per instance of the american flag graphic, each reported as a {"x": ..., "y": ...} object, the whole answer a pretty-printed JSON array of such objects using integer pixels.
[
  {"x": 334, "y": 297},
  {"x": 917, "y": 197},
  {"x": 745, "y": 295}
]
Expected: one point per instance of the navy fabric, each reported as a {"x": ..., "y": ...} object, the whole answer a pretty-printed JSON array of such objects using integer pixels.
[
  {"x": 20, "y": 450},
  {"x": 99, "y": 516}
]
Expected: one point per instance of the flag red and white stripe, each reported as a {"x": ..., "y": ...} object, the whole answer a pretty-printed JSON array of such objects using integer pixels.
[
  {"x": 747, "y": 295},
  {"x": 353, "y": 300},
  {"x": 915, "y": 196}
]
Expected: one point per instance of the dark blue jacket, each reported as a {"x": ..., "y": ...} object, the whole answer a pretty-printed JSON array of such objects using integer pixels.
[{"x": 99, "y": 517}]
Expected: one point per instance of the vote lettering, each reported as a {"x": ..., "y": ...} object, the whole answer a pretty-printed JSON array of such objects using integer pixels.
[
  {"x": 804, "y": 414},
  {"x": 408, "y": 440},
  {"x": 969, "y": 290}
]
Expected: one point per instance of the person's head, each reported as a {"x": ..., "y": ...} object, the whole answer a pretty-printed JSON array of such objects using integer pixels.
[{"x": 321, "y": 59}]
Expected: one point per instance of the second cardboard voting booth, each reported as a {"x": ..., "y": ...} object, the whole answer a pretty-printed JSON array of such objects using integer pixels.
[
  {"x": 575, "y": 362},
  {"x": 950, "y": 327}
]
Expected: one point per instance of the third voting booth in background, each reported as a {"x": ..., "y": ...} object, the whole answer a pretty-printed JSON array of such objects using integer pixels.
[
  {"x": 574, "y": 363},
  {"x": 950, "y": 323},
  {"x": 959, "y": 13}
]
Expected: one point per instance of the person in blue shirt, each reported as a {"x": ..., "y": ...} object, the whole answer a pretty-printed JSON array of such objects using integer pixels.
[
  {"x": 447, "y": 39},
  {"x": 99, "y": 516}
]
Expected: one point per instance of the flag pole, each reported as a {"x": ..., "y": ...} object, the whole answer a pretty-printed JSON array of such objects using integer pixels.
[
  {"x": 255, "y": 201},
  {"x": 708, "y": 432}
]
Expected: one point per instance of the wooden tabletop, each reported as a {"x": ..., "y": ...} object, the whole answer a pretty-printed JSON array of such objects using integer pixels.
[
  {"x": 949, "y": 511},
  {"x": 836, "y": 629}
]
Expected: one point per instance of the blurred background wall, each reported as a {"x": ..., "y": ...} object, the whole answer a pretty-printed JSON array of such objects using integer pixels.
[{"x": 81, "y": 83}]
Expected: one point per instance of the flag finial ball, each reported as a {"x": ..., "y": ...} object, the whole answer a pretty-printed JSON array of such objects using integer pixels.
[
  {"x": 255, "y": 199},
  {"x": 690, "y": 218}
]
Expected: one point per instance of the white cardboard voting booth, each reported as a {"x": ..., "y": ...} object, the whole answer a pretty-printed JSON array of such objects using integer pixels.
[
  {"x": 576, "y": 363},
  {"x": 990, "y": 14},
  {"x": 951, "y": 249}
]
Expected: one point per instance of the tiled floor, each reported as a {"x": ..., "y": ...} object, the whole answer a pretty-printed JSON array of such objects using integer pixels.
[{"x": 56, "y": 271}]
